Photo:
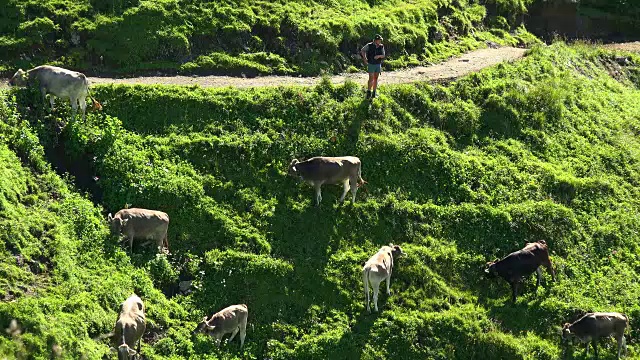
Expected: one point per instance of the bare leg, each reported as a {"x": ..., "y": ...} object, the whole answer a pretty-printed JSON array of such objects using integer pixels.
[
  {"x": 375, "y": 81},
  {"x": 371, "y": 80}
]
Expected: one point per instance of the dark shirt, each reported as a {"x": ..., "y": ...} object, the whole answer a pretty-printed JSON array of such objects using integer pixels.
[{"x": 372, "y": 50}]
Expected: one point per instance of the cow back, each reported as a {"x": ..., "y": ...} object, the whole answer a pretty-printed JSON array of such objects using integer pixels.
[
  {"x": 522, "y": 262},
  {"x": 229, "y": 318},
  {"x": 131, "y": 322},
  {"x": 60, "y": 82},
  {"x": 330, "y": 170},
  {"x": 381, "y": 261},
  {"x": 144, "y": 223},
  {"x": 599, "y": 325}
]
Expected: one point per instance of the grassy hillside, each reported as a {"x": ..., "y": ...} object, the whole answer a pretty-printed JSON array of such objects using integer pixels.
[
  {"x": 458, "y": 175},
  {"x": 243, "y": 37}
]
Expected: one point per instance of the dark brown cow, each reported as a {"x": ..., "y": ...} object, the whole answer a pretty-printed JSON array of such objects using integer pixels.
[
  {"x": 517, "y": 265},
  {"x": 58, "y": 82},
  {"x": 228, "y": 320},
  {"x": 129, "y": 328},
  {"x": 594, "y": 326},
  {"x": 345, "y": 170},
  {"x": 141, "y": 224}
]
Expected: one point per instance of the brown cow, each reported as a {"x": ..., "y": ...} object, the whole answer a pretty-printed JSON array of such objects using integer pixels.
[
  {"x": 58, "y": 82},
  {"x": 141, "y": 224},
  {"x": 377, "y": 269},
  {"x": 129, "y": 328},
  {"x": 519, "y": 264},
  {"x": 228, "y": 320},
  {"x": 345, "y": 170},
  {"x": 593, "y": 326}
]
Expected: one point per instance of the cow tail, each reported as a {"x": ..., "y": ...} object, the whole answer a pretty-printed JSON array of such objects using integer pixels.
[
  {"x": 365, "y": 279},
  {"x": 96, "y": 104},
  {"x": 360, "y": 179}
]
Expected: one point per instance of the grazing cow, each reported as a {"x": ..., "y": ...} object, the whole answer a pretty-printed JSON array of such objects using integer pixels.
[
  {"x": 129, "y": 328},
  {"x": 519, "y": 264},
  {"x": 228, "y": 320},
  {"x": 58, "y": 82},
  {"x": 321, "y": 170},
  {"x": 377, "y": 269},
  {"x": 141, "y": 224},
  {"x": 593, "y": 326}
]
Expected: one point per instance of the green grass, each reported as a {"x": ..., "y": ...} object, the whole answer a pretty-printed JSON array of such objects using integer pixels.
[
  {"x": 458, "y": 174},
  {"x": 242, "y": 37}
]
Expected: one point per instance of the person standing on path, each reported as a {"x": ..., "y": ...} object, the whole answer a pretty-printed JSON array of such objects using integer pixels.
[{"x": 372, "y": 55}]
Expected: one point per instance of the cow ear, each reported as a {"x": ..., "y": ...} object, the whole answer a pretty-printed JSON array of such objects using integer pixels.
[
  {"x": 390, "y": 244},
  {"x": 204, "y": 319},
  {"x": 112, "y": 349},
  {"x": 124, "y": 222},
  {"x": 486, "y": 270},
  {"x": 109, "y": 217},
  {"x": 211, "y": 328},
  {"x": 132, "y": 352}
]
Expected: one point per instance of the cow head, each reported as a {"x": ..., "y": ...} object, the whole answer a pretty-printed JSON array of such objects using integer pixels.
[
  {"x": 396, "y": 251},
  {"x": 203, "y": 326},
  {"x": 19, "y": 78},
  {"x": 293, "y": 170},
  {"x": 116, "y": 224},
  {"x": 125, "y": 352},
  {"x": 490, "y": 269},
  {"x": 567, "y": 335}
]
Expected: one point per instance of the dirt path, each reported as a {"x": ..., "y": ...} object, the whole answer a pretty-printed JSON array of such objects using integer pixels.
[
  {"x": 630, "y": 46},
  {"x": 450, "y": 69},
  {"x": 453, "y": 68}
]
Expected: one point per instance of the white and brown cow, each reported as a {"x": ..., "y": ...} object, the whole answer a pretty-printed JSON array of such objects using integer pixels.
[
  {"x": 345, "y": 170},
  {"x": 228, "y": 320},
  {"x": 129, "y": 328},
  {"x": 594, "y": 326},
  {"x": 378, "y": 269},
  {"x": 58, "y": 82},
  {"x": 141, "y": 224}
]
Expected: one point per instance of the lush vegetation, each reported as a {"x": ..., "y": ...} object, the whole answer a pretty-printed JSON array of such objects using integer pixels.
[
  {"x": 458, "y": 175},
  {"x": 244, "y": 37}
]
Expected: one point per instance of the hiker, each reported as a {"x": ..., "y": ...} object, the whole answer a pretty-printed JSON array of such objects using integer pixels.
[{"x": 372, "y": 55}]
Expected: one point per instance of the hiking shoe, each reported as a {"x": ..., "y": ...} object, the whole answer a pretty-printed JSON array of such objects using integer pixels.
[
  {"x": 368, "y": 94},
  {"x": 373, "y": 95}
]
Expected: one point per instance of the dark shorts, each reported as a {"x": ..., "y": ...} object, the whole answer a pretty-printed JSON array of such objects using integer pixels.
[{"x": 374, "y": 68}]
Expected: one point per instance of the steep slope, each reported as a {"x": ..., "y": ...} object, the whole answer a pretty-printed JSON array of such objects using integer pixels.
[{"x": 545, "y": 148}]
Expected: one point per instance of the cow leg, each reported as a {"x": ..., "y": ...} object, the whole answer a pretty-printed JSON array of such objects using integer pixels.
[
  {"x": 233, "y": 334},
  {"x": 218, "y": 339},
  {"x": 52, "y": 101},
  {"x": 74, "y": 107},
  {"x": 594, "y": 343},
  {"x": 317, "y": 186},
  {"x": 345, "y": 190},
  {"x": 43, "y": 91},
  {"x": 83, "y": 107},
  {"x": 514, "y": 290},
  {"x": 131, "y": 243},
  {"x": 243, "y": 333},
  {"x": 389, "y": 283},
  {"x": 621, "y": 342},
  {"x": 376, "y": 290},
  {"x": 586, "y": 349},
  {"x": 353, "y": 183},
  {"x": 539, "y": 275}
]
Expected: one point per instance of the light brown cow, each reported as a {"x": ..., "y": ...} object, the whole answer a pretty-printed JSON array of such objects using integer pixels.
[
  {"x": 377, "y": 269},
  {"x": 58, "y": 82},
  {"x": 228, "y": 320},
  {"x": 345, "y": 170},
  {"x": 594, "y": 326},
  {"x": 141, "y": 224},
  {"x": 129, "y": 328}
]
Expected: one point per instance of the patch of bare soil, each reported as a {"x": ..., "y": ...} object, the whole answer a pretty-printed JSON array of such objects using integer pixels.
[
  {"x": 451, "y": 69},
  {"x": 630, "y": 46}
]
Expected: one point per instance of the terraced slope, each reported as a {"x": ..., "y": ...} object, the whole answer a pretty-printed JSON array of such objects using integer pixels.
[{"x": 545, "y": 148}]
